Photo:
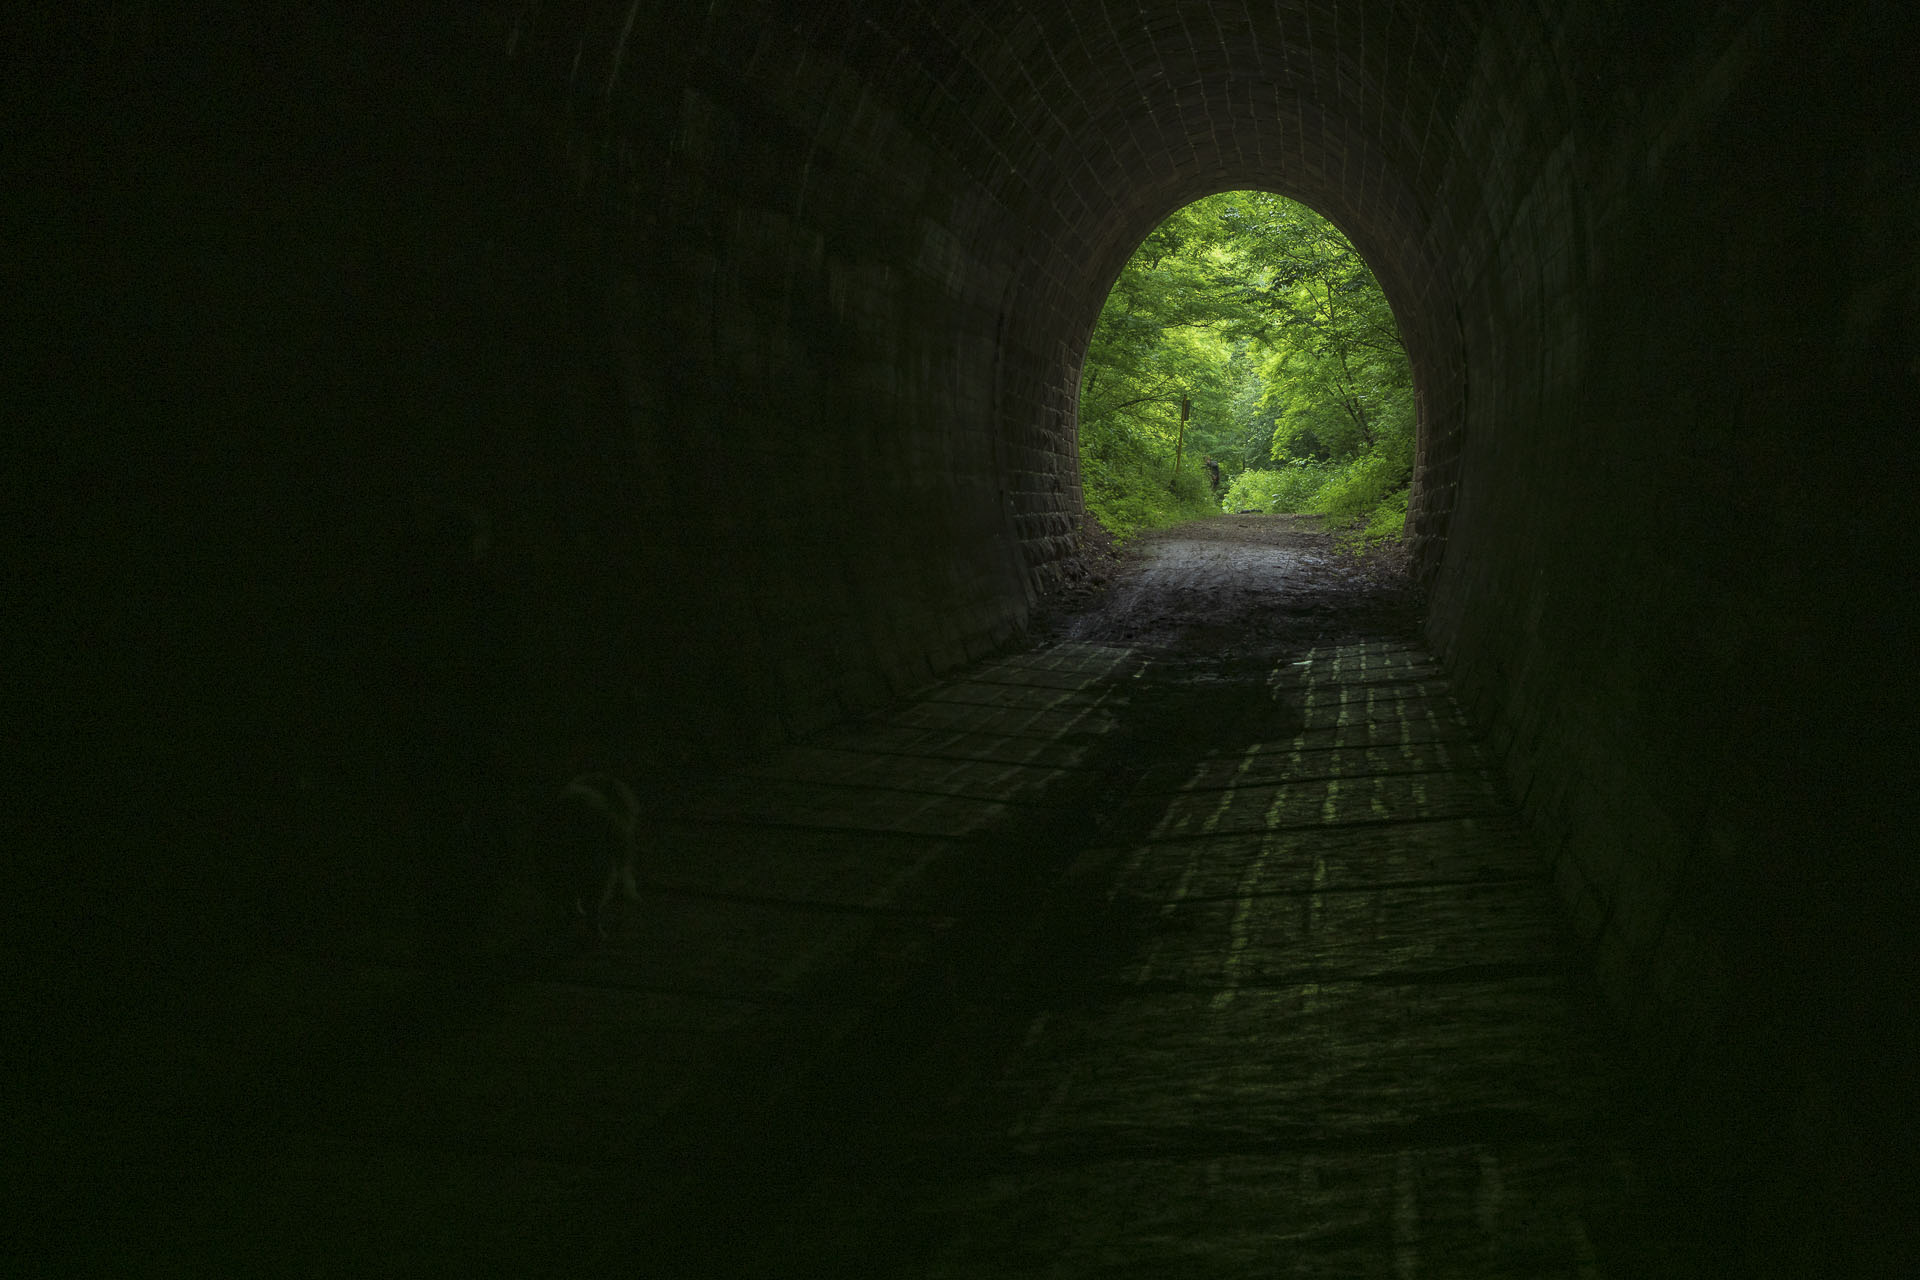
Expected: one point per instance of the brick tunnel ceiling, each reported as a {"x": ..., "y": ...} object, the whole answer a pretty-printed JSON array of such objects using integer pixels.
[
  {"x": 1080, "y": 125},
  {"x": 1087, "y": 125},
  {"x": 864, "y": 246}
]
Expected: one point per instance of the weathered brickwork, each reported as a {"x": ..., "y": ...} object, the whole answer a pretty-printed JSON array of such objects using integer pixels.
[{"x": 741, "y": 341}]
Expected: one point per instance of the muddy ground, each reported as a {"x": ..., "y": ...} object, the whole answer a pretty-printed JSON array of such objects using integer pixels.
[{"x": 1235, "y": 587}]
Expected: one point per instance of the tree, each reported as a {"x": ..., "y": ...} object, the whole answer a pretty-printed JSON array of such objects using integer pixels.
[
  {"x": 1337, "y": 379},
  {"x": 1158, "y": 340},
  {"x": 1265, "y": 315}
]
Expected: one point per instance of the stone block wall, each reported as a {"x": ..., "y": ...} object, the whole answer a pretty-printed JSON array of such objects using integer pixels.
[{"x": 1671, "y": 495}]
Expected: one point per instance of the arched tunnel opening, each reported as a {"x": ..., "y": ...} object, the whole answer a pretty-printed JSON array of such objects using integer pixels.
[
  {"x": 419, "y": 407},
  {"x": 1246, "y": 325}
]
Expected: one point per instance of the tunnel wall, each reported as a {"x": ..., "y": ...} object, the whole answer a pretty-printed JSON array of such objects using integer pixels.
[
  {"x": 427, "y": 400},
  {"x": 1689, "y": 346}
]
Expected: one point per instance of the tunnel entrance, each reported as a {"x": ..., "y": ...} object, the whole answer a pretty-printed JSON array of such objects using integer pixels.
[{"x": 1246, "y": 359}]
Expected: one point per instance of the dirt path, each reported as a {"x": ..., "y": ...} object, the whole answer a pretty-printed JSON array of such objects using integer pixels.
[{"x": 1237, "y": 586}]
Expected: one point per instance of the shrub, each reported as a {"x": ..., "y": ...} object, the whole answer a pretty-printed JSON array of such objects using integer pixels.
[
  {"x": 1385, "y": 523},
  {"x": 1130, "y": 494},
  {"x": 1288, "y": 488},
  {"x": 1357, "y": 487},
  {"x": 1372, "y": 485}
]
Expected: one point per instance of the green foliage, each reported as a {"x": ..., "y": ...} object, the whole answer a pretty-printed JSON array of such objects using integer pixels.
[
  {"x": 1356, "y": 487},
  {"x": 1158, "y": 341},
  {"x": 1384, "y": 523},
  {"x": 1136, "y": 496},
  {"x": 1263, "y": 315},
  {"x": 1336, "y": 378},
  {"x": 1288, "y": 488}
]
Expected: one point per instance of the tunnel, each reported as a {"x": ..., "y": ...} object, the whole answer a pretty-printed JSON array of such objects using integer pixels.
[{"x": 409, "y": 398}]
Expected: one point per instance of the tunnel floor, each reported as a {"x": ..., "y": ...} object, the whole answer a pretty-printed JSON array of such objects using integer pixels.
[{"x": 1196, "y": 940}]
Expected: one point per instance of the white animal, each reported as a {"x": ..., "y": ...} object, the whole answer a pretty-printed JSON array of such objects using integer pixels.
[{"x": 618, "y": 856}]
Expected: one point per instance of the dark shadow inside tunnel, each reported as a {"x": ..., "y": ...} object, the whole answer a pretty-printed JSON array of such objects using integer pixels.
[{"x": 754, "y": 335}]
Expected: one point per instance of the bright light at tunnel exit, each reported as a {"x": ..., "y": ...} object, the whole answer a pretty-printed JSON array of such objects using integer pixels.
[{"x": 1247, "y": 359}]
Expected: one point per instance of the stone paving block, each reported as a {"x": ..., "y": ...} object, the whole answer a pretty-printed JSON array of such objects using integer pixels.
[
  {"x": 1519, "y": 1210},
  {"x": 1392, "y": 935},
  {"x": 1374, "y": 655},
  {"x": 1080, "y": 721},
  {"x": 1063, "y": 680},
  {"x": 1376, "y": 798},
  {"x": 1344, "y": 730},
  {"x": 1446, "y": 850},
  {"x": 1263, "y": 764},
  {"x": 1378, "y": 705},
  {"x": 1333, "y": 692},
  {"x": 1323, "y": 675},
  {"x": 984, "y": 693},
  {"x": 952, "y": 744},
  {"x": 1092, "y": 660},
  {"x": 969, "y": 778},
  {"x": 1180, "y": 1072},
  {"x": 859, "y": 808}
]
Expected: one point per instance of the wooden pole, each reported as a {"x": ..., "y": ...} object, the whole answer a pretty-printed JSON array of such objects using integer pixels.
[{"x": 1180, "y": 441}]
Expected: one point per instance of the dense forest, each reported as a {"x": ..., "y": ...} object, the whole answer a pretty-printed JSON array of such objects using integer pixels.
[{"x": 1252, "y": 316}]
